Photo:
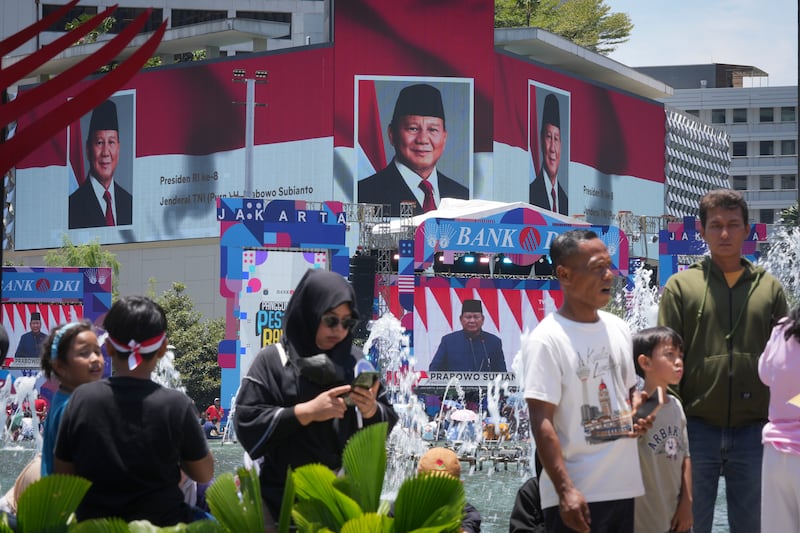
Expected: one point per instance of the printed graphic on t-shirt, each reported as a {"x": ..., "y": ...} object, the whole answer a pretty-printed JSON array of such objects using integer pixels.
[
  {"x": 666, "y": 441},
  {"x": 605, "y": 409}
]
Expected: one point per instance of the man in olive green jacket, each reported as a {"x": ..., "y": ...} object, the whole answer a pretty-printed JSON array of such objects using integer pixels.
[{"x": 724, "y": 307}]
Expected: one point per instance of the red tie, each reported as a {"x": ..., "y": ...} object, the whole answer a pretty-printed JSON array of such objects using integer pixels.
[
  {"x": 553, "y": 194},
  {"x": 428, "y": 204},
  {"x": 109, "y": 211}
]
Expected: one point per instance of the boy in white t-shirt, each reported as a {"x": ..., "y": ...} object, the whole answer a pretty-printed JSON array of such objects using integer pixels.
[
  {"x": 578, "y": 378},
  {"x": 664, "y": 450}
]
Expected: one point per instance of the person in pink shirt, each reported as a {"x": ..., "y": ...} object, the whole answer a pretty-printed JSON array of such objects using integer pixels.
[{"x": 779, "y": 369}]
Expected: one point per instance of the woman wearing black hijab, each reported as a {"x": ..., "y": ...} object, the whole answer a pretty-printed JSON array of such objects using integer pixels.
[{"x": 290, "y": 409}]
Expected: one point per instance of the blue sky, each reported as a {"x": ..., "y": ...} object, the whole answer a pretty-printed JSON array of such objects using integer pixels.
[{"x": 761, "y": 33}]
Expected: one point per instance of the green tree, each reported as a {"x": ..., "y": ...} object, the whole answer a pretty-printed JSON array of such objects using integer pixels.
[
  {"x": 790, "y": 217},
  {"x": 196, "y": 341},
  {"x": 587, "y": 23},
  {"x": 104, "y": 27},
  {"x": 90, "y": 255}
]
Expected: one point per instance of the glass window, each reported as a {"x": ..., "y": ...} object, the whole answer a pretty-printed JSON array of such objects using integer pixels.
[
  {"x": 126, "y": 15},
  {"x": 718, "y": 116},
  {"x": 693, "y": 112},
  {"x": 788, "y": 114},
  {"x": 767, "y": 148},
  {"x": 788, "y": 181},
  {"x": 739, "y": 148},
  {"x": 185, "y": 17},
  {"x": 75, "y": 12},
  {"x": 766, "y": 216},
  {"x": 739, "y": 115},
  {"x": 788, "y": 147},
  {"x": 739, "y": 183},
  {"x": 267, "y": 15},
  {"x": 766, "y": 114},
  {"x": 766, "y": 183}
]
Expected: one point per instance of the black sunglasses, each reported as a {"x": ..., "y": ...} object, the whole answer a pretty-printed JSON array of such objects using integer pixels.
[{"x": 333, "y": 321}]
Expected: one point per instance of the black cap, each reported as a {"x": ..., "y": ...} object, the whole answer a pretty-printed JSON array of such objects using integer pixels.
[
  {"x": 472, "y": 306},
  {"x": 104, "y": 117},
  {"x": 35, "y": 316},
  {"x": 550, "y": 113},
  {"x": 421, "y": 99}
]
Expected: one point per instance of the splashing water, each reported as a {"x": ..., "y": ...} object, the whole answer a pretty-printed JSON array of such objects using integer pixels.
[
  {"x": 781, "y": 261},
  {"x": 22, "y": 423},
  {"x": 641, "y": 301},
  {"x": 166, "y": 374}
]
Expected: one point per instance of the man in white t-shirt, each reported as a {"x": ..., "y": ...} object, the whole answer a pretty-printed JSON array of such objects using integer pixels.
[{"x": 578, "y": 374}]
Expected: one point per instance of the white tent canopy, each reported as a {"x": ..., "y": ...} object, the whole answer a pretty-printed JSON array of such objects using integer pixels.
[{"x": 470, "y": 209}]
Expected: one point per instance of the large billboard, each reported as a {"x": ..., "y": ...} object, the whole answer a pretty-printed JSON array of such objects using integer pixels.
[
  {"x": 179, "y": 145},
  {"x": 335, "y": 126}
]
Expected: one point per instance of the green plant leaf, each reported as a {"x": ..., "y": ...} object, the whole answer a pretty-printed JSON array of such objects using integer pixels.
[
  {"x": 47, "y": 503},
  {"x": 368, "y": 523},
  {"x": 429, "y": 501},
  {"x": 364, "y": 461},
  {"x": 101, "y": 525},
  {"x": 287, "y": 503},
  {"x": 315, "y": 490},
  {"x": 234, "y": 510}
]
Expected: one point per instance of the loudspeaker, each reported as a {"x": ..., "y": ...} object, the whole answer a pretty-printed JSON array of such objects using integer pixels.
[{"x": 362, "y": 278}]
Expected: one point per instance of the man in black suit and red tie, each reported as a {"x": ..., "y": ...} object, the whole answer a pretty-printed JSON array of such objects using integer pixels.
[
  {"x": 418, "y": 133},
  {"x": 100, "y": 201},
  {"x": 546, "y": 191}
]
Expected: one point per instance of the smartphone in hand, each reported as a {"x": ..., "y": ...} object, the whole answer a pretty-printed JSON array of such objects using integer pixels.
[
  {"x": 651, "y": 405},
  {"x": 366, "y": 379}
]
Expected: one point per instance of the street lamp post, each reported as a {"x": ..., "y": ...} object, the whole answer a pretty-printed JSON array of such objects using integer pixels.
[{"x": 240, "y": 75}]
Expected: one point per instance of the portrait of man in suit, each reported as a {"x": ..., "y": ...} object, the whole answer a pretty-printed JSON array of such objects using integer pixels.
[
  {"x": 100, "y": 200},
  {"x": 30, "y": 343},
  {"x": 418, "y": 133},
  {"x": 546, "y": 189},
  {"x": 471, "y": 349}
]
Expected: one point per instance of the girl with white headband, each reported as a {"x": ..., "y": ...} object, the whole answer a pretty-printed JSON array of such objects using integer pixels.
[
  {"x": 128, "y": 435},
  {"x": 72, "y": 354}
]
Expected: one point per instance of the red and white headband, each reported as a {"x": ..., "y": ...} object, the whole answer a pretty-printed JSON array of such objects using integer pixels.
[{"x": 138, "y": 348}]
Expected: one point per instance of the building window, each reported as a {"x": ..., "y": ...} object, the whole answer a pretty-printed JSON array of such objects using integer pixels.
[
  {"x": 766, "y": 148},
  {"x": 185, "y": 17},
  {"x": 693, "y": 112},
  {"x": 789, "y": 147},
  {"x": 766, "y": 114},
  {"x": 766, "y": 183},
  {"x": 72, "y": 14},
  {"x": 739, "y": 115},
  {"x": 766, "y": 216},
  {"x": 739, "y": 183},
  {"x": 268, "y": 16},
  {"x": 718, "y": 116},
  {"x": 788, "y": 114},
  {"x": 788, "y": 182},
  {"x": 739, "y": 148},
  {"x": 126, "y": 15}
]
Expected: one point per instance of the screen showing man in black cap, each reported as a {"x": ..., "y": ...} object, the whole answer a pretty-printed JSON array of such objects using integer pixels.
[
  {"x": 545, "y": 190},
  {"x": 100, "y": 201},
  {"x": 419, "y": 135},
  {"x": 30, "y": 343},
  {"x": 471, "y": 349}
]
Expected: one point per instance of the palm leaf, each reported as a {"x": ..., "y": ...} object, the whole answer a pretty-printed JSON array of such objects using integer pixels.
[
  {"x": 314, "y": 486},
  {"x": 368, "y": 523},
  {"x": 101, "y": 525},
  {"x": 47, "y": 503},
  {"x": 435, "y": 501},
  {"x": 235, "y": 511},
  {"x": 286, "y": 503},
  {"x": 364, "y": 461}
]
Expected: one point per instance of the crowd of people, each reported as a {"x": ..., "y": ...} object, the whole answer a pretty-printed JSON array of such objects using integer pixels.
[{"x": 722, "y": 364}]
